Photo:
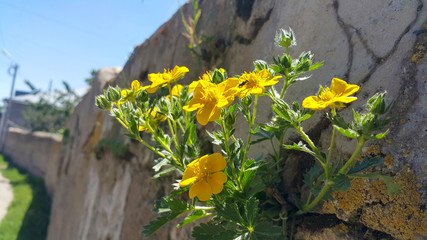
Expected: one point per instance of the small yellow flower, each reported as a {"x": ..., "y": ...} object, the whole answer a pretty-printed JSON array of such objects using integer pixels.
[
  {"x": 154, "y": 120},
  {"x": 130, "y": 94},
  {"x": 334, "y": 97},
  {"x": 163, "y": 79},
  {"x": 255, "y": 83},
  {"x": 176, "y": 90},
  {"x": 206, "y": 176},
  {"x": 209, "y": 98}
]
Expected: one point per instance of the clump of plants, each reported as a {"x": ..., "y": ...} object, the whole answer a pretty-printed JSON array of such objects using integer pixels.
[{"x": 230, "y": 187}]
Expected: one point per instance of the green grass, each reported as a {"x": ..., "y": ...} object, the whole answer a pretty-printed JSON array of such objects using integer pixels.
[{"x": 28, "y": 215}]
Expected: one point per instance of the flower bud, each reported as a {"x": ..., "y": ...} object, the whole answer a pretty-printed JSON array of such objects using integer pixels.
[
  {"x": 102, "y": 102},
  {"x": 377, "y": 104},
  {"x": 260, "y": 65},
  {"x": 285, "y": 38},
  {"x": 116, "y": 112},
  {"x": 113, "y": 94},
  {"x": 246, "y": 102},
  {"x": 142, "y": 96}
]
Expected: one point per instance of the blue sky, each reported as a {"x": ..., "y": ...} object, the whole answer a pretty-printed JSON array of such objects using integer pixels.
[{"x": 56, "y": 40}]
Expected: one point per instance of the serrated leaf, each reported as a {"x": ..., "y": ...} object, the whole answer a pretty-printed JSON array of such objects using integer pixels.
[
  {"x": 341, "y": 183},
  {"x": 207, "y": 231},
  {"x": 365, "y": 165},
  {"x": 251, "y": 211},
  {"x": 311, "y": 174},
  {"x": 256, "y": 186},
  {"x": 159, "y": 163},
  {"x": 347, "y": 132},
  {"x": 231, "y": 212},
  {"x": 173, "y": 207},
  {"x": 158, "y": 223},
  {"x": 193, "y": 217},
  {"x": 267, "y": 229},
  {"x": 164, "y": 172}
]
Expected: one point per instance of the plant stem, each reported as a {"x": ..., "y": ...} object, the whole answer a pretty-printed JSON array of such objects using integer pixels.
[
  {"x": 227, "y": 150},
  {"x": 349, "y": 163},
  {"x": 174, "y": 128},
  {"x": 251, "y": 124},
  {"x": 319, "y": 197},
  {"x": 285, "y": 87},
  {"x": 330, "y": 147},
  {"x": 307, "y": 139},
  {"x": 330, "y": 154}
]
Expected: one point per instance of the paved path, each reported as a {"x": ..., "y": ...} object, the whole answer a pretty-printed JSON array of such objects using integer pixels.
[{"x": 6, "y": 196}]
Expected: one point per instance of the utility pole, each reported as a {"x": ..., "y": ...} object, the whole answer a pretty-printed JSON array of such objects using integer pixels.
[{"x": 4, "y": 119}]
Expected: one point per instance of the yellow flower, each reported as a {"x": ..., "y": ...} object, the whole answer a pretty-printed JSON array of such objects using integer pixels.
[
  {"x": 206, "y": 176},
  {"x": 176, "y": 90},
  {"x": 255, "y": 83},
  {"x": 209, "y": 98},
  {"x": 129, "y": 94},
  {"x": 335, "y": 97},
  {"x": 163, "y": 79},
  {"x": 154, "y": 120},
  {"x": 205, "y": 77}
]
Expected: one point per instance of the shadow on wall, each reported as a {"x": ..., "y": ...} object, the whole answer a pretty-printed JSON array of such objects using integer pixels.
[{"x": 30, "y": 207}]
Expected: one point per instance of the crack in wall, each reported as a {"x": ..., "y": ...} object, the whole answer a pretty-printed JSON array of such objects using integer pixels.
[
  {"x": 345, "y": 27},
  {"x": 378, "y": 61}
]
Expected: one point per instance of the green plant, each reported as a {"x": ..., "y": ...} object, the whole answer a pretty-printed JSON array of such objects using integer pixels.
[
  {"x": 51, "y": 111},
  {"x": 237, "y": 191}
]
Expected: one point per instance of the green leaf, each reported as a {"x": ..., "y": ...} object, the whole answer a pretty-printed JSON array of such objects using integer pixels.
[
  {"x": 267, "y": 229},
  {"x": 210, "y": 231},
  {"x": 251, "y": 210},
  {"x": 341, "y": 183},
  {"x": 315, "y": 66},
  {"x": 381, "y": 135},
  {"x": 173, "y": 207},
  {"x": 311, "y": 174},
  {"x": 231, "y": 212},
  {"x": 159, "y": 163},
  {"x": 347, "y": 132},
  {"x": 365, "y": 165},
  {"x": 193, "y": 217},
  {"x": 300, "y": 147},
  {"x": 164, "y": 172}
]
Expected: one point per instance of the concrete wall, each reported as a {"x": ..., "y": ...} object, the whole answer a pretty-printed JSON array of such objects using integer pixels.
[{"x": 36, "y": 152}]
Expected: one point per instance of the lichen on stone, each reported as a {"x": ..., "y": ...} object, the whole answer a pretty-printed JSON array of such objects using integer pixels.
[{"x": 368, "y": 202}]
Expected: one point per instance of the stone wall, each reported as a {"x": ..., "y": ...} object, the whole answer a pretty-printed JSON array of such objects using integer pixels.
[
  {"x": 36, "y": 152},
  {"x": 378, "y": 44}
]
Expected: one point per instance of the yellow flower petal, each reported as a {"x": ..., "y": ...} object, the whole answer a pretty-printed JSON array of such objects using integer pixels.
[
  {"x": 216, "y": 181},
  {"x": 188, "y": 181},
  {"x": 340, "y": 87},
  {"x": 215, "y": 162},
  {"x": 202, "y": 190},
  {"x": 314, "y": 103},
  {"x": 208, "y": 112}
]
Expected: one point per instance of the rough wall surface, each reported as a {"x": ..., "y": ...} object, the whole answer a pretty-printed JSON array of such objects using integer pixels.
[
  {"x": 36, "y": 152},
  {"x": 378, "y": 44}
]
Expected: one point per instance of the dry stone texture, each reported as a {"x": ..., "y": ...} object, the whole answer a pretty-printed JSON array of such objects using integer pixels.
[{"x": 378, "y": 44}]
